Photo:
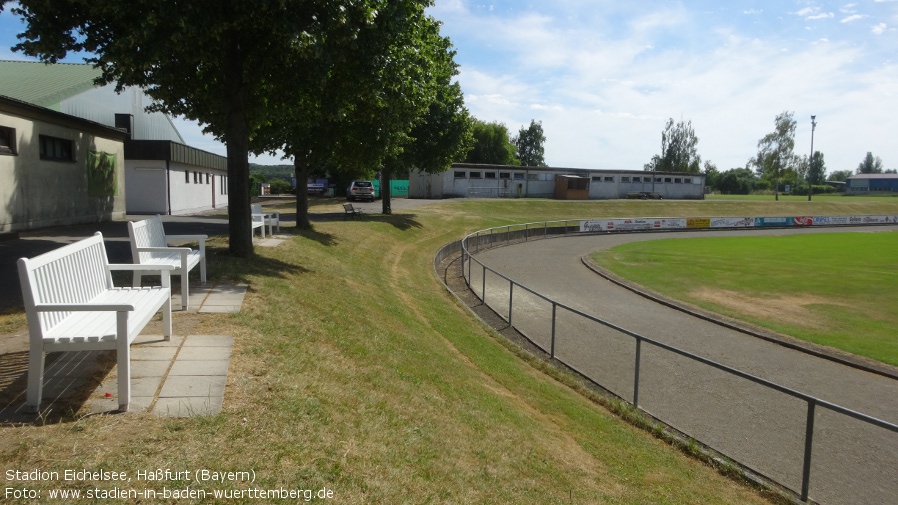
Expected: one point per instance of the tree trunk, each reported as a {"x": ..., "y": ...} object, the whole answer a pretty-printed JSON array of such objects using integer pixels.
[
  {"x": 386, "y": 178},
  {"x": 240, "y": 236},
  {"x": 301, "y": 170}
]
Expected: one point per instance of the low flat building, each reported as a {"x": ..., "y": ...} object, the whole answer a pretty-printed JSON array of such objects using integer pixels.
[
  {"x": 465, "y": 180},
  {"x": 872, "y": 184}
]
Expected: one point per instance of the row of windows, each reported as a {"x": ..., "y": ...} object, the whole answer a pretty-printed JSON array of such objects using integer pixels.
[
  {"x": 199, "y": 177},
  {"x": 625, "y": 179},
  {"x": 51, "y": 148}
]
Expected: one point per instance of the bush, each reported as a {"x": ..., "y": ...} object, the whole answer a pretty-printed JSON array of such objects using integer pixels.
[{"x": 280, "y": 187}]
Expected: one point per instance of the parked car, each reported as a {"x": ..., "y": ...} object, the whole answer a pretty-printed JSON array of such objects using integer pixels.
[{"x": 360, "y": 190}]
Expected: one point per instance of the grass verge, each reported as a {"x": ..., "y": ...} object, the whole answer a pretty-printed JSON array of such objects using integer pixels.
[{"x": 353, "y": 370}]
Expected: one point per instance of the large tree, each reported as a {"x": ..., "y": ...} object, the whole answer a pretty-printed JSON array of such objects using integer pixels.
[
  {"x": 776, "y": 154},
  {"x": 492, "y": 145},
  {"x": 529, "y": 144},
  {"x": 435, "y": 127},
  {"x": 679, "y": 152},
  {"x": 816, "y": 169},
  {"x": 208, "y": 60},
  {"x": 870, "y": 165},
  {"x": 351, "y": 90}
]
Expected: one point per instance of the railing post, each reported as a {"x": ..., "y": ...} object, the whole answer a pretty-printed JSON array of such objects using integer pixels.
[
  {"x": 483, "y": 286},
  {"x": 636, "y": 373},
  {"x": 554, "y": 309},
  {"x": 808, "y": 443},
  {"x": 510, "y": 300}
]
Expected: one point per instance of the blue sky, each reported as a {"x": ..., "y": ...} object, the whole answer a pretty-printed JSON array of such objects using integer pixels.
[{"x": 603, "y": 76}]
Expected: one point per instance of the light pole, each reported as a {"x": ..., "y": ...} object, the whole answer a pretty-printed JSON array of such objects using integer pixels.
[{"x": 811, "y": 159}]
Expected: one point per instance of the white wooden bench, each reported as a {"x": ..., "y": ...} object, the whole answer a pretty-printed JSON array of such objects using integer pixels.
[
  {"x": 72, "y": 305},
  {"x": 262, "y": 218},
  {"x": 150, "y": 245}
]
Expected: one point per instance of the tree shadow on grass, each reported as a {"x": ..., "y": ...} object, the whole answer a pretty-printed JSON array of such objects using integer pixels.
[{"x": 400, "y": 221}]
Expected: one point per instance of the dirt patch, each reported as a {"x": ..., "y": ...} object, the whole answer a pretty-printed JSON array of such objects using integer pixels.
[{"x": 787, "y": 309}]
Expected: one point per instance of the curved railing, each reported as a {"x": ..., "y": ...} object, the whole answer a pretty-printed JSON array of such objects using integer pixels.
[{"x": 550, "y": 325}]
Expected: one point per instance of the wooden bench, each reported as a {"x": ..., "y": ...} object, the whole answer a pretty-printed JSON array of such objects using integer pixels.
[
  {"x": 72, "y": 305},
  {"x": 149, "y": 245},
  {"x": 261, "y": 218},
  {"x": 349, "y": 210}
]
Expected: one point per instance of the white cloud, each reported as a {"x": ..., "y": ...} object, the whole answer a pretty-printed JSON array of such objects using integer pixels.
[
  {"x": 822, "y": 15},
  {"x": 851, "y": 18},
  {"x": 879, "y": 29}
]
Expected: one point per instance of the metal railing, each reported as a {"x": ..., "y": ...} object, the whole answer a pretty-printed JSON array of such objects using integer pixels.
[{"x": 598, "y": 342}]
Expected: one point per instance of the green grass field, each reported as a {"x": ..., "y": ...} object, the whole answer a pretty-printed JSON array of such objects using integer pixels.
[
  {"x": 354, "y": 370},
  {"x": 833, "y": 289}
]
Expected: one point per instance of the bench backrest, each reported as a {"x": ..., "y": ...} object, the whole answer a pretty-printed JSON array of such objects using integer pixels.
[
  {"x": 146, "y": 233},
  {"x": 74, "y": 273},
  {"x": 256, "y": 208}
]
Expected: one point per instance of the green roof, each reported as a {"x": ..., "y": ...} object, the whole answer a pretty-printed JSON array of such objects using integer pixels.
[{"x": 44, "y": 84}]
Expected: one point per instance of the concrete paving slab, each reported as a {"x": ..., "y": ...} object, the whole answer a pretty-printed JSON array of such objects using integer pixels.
[
  {"x": 153, "y": 353},
  {"x": 183, "y": 386},
  {"x": 219, "y": 309},
  {"x": 204, "y": 353},
  {"x": 217, "y": 367},
  {"x": 158, "y": 341},
  {"x": 209, "y": 341},
  {"x": 150, "y": 368}
]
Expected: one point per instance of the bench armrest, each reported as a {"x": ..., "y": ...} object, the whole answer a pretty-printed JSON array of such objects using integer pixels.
[
  {"x": 89, "y": 307},
  {"x": 198, "y": 238},
  {"x": 180, "y": 250},
  {"x": 133, "y": 266}
]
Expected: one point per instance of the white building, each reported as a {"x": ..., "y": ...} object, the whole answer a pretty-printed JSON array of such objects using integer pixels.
[
  {"x": 504, "y": 181},
  {"x": 161, "y": 174}
]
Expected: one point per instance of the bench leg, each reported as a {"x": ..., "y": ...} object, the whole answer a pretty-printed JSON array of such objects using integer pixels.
[
  {"x": 123, "y": 361},
  {"x": 184, "y": 288},
  {"x": 135, "y": 281},
  {"x": 166, "y": 307},
  {"x": 35, "y": 380}
]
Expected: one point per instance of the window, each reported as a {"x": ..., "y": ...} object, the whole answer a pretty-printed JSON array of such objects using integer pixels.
[
  {"x": 7, "y": 140},
  {"x": 624, "y": 178},
  {"x": 56, "y": 149},
  {"x": 196, "y": 177},
  {"x": 532, "y": 177},
  {"x": 474, "y": 175},
  {"x": 459, "y": 175},
  {"x": 687, "y": 180},
  {"x": 505, "y": 175},
  {"x": 678, "y": 181},
  {"x": 208, "y": 178},
  {"x": 636, "y": 179},
  {"x": 657, "y": 179},
  {"x": 519, "y": 177},
  {"x": 609, "y": 178},
  {"x": 596, "y": 178},
  {"x": 667, "y": 179},
  {"x": 489, "y": 175},
  {"x": 223, "y": 187},
  {"x": 187, "y": 176}
]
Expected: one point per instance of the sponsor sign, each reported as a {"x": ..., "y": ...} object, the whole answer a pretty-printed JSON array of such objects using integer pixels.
[
  {"x": 773, "y": 221},
  {"x": 592, "y": 226},
  {"x": 698, "y": 222},
  {"x": 803, "y": 221},
  {"x": 670, "y": 224},
  {"x": 830, "y": 220},
  {"x": 732, "y": 222}
]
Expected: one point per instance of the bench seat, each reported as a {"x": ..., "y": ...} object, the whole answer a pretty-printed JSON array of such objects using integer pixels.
[{"x": 150, "y": 245}]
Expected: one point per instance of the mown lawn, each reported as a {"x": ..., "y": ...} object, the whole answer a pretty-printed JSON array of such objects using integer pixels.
[
  {"x": 354, "y": 370},
  {"x": 833, "y": 289}
]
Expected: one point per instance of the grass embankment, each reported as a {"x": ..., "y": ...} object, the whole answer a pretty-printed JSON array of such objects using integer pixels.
[
  {"x": 354, "y": 370},
  {"x": 836, "y": 289}
]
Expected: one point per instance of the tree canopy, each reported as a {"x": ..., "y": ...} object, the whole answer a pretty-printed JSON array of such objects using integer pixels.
[
  {"x": 679, "y": 152},
  {"x": 870, "y": 165},
  {"x": 775, "y": 151},
  {"x": 492, "y": 145},
  {"x": 529, "y": 145}
]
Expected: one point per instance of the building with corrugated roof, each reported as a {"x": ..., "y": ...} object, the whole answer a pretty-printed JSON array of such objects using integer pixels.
[
  {"x": 161, "y": 174},
  {"x": 872, "y": 184}
]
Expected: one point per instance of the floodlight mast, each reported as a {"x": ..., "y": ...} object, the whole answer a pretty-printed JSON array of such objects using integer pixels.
[{"x": 811, "y": 159}]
